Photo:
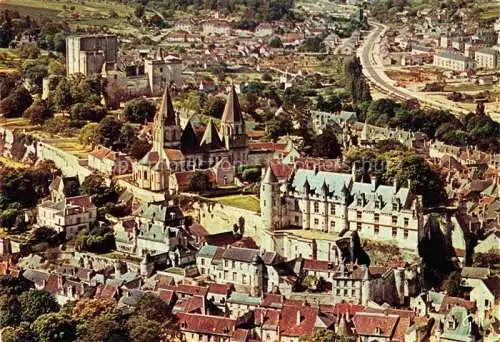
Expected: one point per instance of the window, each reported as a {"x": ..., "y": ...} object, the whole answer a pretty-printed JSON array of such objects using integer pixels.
[
  {"x": 332, "y": 209},
  {"x": 394, "y": 220},
  {"x": 296, "y": 219},
  {"x": 297, "y": 208},
  {"x": 202, "y": 261},
  {"x": 232, "y": 263},
  {"x": 316, "y": 221},
  {"x": 406, "y": 221},
  {"x": 394, "y": 206},
  {"x": 226, "y": 275},
  {"x": 376, "y": 217},
  {"x": 405, "y": 232},
  {"x": 244, "y": 279},
  {"x": 359, "y": 201},
  {"x": 394, "y": 231},
  {"x": 376, "y": 229},
  {"x": 338, "y": 292},
  {"x": 332, "y": 224},
  {"x": 359, "y": 215},
  {"x": 358, "y": 226},
  {"x": 316, "y": 207},
  {"x": 234, "y": 276},
  {"x": 486, "y": 303},
  {"x": 225, "y": 263}
]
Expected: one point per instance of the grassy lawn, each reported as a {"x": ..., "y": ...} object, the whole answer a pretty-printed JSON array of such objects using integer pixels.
[
  {"x": 314, "y": 234},
  {"x": 247, "y": 202},
  {"x": 11, "y": 163}
]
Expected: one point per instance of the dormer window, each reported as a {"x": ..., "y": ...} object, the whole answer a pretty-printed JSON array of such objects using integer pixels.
[
  {"x": 377, "y": 204},
  {"x": 394, "y": 206},
  {"x": 378, "y": 331},
  {"x": 451, "y": 324},
  {"x": 360, "y": 201}
]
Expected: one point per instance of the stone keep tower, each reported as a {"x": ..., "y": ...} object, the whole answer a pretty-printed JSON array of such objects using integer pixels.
[{"x": 270, "y": 200}]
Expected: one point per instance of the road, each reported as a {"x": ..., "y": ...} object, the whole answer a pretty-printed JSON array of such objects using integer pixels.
[{"x": 373, "y": 70}]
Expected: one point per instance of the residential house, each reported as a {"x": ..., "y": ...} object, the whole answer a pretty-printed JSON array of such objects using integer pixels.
[
  {"x": 68, "y": 215},
  {"x": 201, "y": 328},
  {"x": 109, "y": 162},
  {"x": 264, "y": 30},
  {"x": 62, "y": 187},
  {"x": 457, "y": 326},
  {"x": 452, "y": 60},
  {"x": 215, "y": 26},
  {"x": 486, "y": 58},
  {"x": 487, "y": 295}
]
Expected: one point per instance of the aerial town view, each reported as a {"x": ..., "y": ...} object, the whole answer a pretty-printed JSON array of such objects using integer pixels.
[{"x": 250, "y": 170}]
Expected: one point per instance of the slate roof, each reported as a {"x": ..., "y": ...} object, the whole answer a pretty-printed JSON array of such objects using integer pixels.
[
  {"x": 189, "y": 141},
  {"x": 168, "y": 214},
  {"x": 207, "y": 251},
  {"x": 241, "y": 254},
  {"x": 475, "y": 272},
  {"x": 167, "y": 109}
]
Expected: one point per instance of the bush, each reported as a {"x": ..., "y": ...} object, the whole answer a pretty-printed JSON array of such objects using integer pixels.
[
  {"x": 251, "y": 175},
  {"x": 88, "y": 112}
]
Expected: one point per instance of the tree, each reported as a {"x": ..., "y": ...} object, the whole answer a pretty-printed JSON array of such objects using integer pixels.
[
  {"x": 152, "y": 307},
  {"x": 142, "y": 329},
  {"x": 9, "y": 311},
  {"x": 108, "y": 132},
  {"x": 215, "y": 106},
  {"x": 453, "y": 284},
  {"x": 16, "y": 103},
  {"x": 326, "y": 145},
  {"x": 279, "y": 126},
  {"x": 199, "y": 182},
  {"x": 29, "y": 51},
  {"x": 87, "y": 112},
  {"x": 10, "y": 217},
  {"x": 319, "y": 335},
  {"x": 36, "y": 71},
  {"x": 139, "y": 11},
  {"x": 276, "y": 42},
  {"x": 314, "y": 44},
  {"x": 62, "y": 95},
  {"x": 55, "y": 327},
  {"x": 252, "y": 174},
  {"x": 38, "y": 112},
  {"x": 139, "y": 148},
  {"x": 139, "y": 110},
  {"x": 88, "y": 134},
  {"x": 21, "y": 333},
  {"x": 35, "y": 303},
  {"x": 91, "y": 184}
]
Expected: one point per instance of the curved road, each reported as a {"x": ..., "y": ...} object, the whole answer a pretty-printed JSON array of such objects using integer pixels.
[{"x": 373, "y": 71}]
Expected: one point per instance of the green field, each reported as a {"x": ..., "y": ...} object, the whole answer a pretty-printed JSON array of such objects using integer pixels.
[{"x": 247, "y": 202}]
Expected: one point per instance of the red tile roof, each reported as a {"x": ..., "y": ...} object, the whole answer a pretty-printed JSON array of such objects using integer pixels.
[
  {"x": 403, "y": 325},
  {"x": 188, "y": 289},
  {"x": 449, "y": 302},
  {"x": 195, "y": 304},
  {"x": 80, "y": 201},
  {"x": 315, "y": 265},
  {"x": 197, "y": 229},
  {"x": 375, "y": 324},
  {"x": 184, "y": 178},
  {"x": 282, "y": 171},
  {"x": 207, "y": 325},
  {"x": 267, "y": 317},
  {"x": 174, "y": 154},
  {"x": 108, "y": 291},
  {"x": 222, "y": 289},
  {"x": 294, "y": 325},
  {"x": 266, "y": 146},
  {"x": 166, "y": 295}
]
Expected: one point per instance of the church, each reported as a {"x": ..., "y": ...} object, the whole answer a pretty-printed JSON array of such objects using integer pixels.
[{"x": 177, "y": 149}]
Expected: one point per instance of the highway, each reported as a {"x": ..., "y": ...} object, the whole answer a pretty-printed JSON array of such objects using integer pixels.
[{"x": 373, "y": 70}]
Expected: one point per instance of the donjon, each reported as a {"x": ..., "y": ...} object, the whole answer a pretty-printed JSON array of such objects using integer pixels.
[{"x": 86, "y": 54}]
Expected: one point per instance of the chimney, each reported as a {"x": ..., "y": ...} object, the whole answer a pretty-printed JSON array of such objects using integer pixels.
[{"x": 298, "y": 317}]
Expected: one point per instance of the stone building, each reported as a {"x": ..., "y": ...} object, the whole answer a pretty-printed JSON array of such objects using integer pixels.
[
  {"x": 332, "y": 202},
  {"x": 177, "y": 149},
  {"x": 86, "y": 54},
  {"x": 486, "y": 58}
]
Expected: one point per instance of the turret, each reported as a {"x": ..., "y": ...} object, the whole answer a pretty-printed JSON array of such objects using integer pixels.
[{"x": 269, "y": 199}]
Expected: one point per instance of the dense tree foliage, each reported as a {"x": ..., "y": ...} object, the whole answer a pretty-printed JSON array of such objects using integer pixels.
[
  {"x": 472, "y": 129},
  {"x": 24, "y": 186},
  {"x": 87, "y": 112},
  {"x": 35, "y": 303},
  {"x": 139, "y": 111},
  {"x": 326, "y": 145},
  {"x": 38, "y": 112},
  {"x": 356, "y": 85},
  {"x": 14, "y": 105},
  {"x": 279, "y": 126}
]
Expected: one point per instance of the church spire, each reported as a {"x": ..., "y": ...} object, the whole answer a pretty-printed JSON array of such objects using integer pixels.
[
  {"x": 167, "y": 109},
  {"x": 232, "y": 110}
]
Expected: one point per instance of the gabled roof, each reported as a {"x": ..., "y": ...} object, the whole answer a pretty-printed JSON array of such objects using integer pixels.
[
  {"x": 298, "y": 321},
  {"x": 241, "y": 254},
  {"x": 208, "y": 325},
  {"x": 232, "y": 110},
  {"x": 211, "y": 138},
  {"x": 269, "y": 177},
  {"x": 375, "y": 324}
]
